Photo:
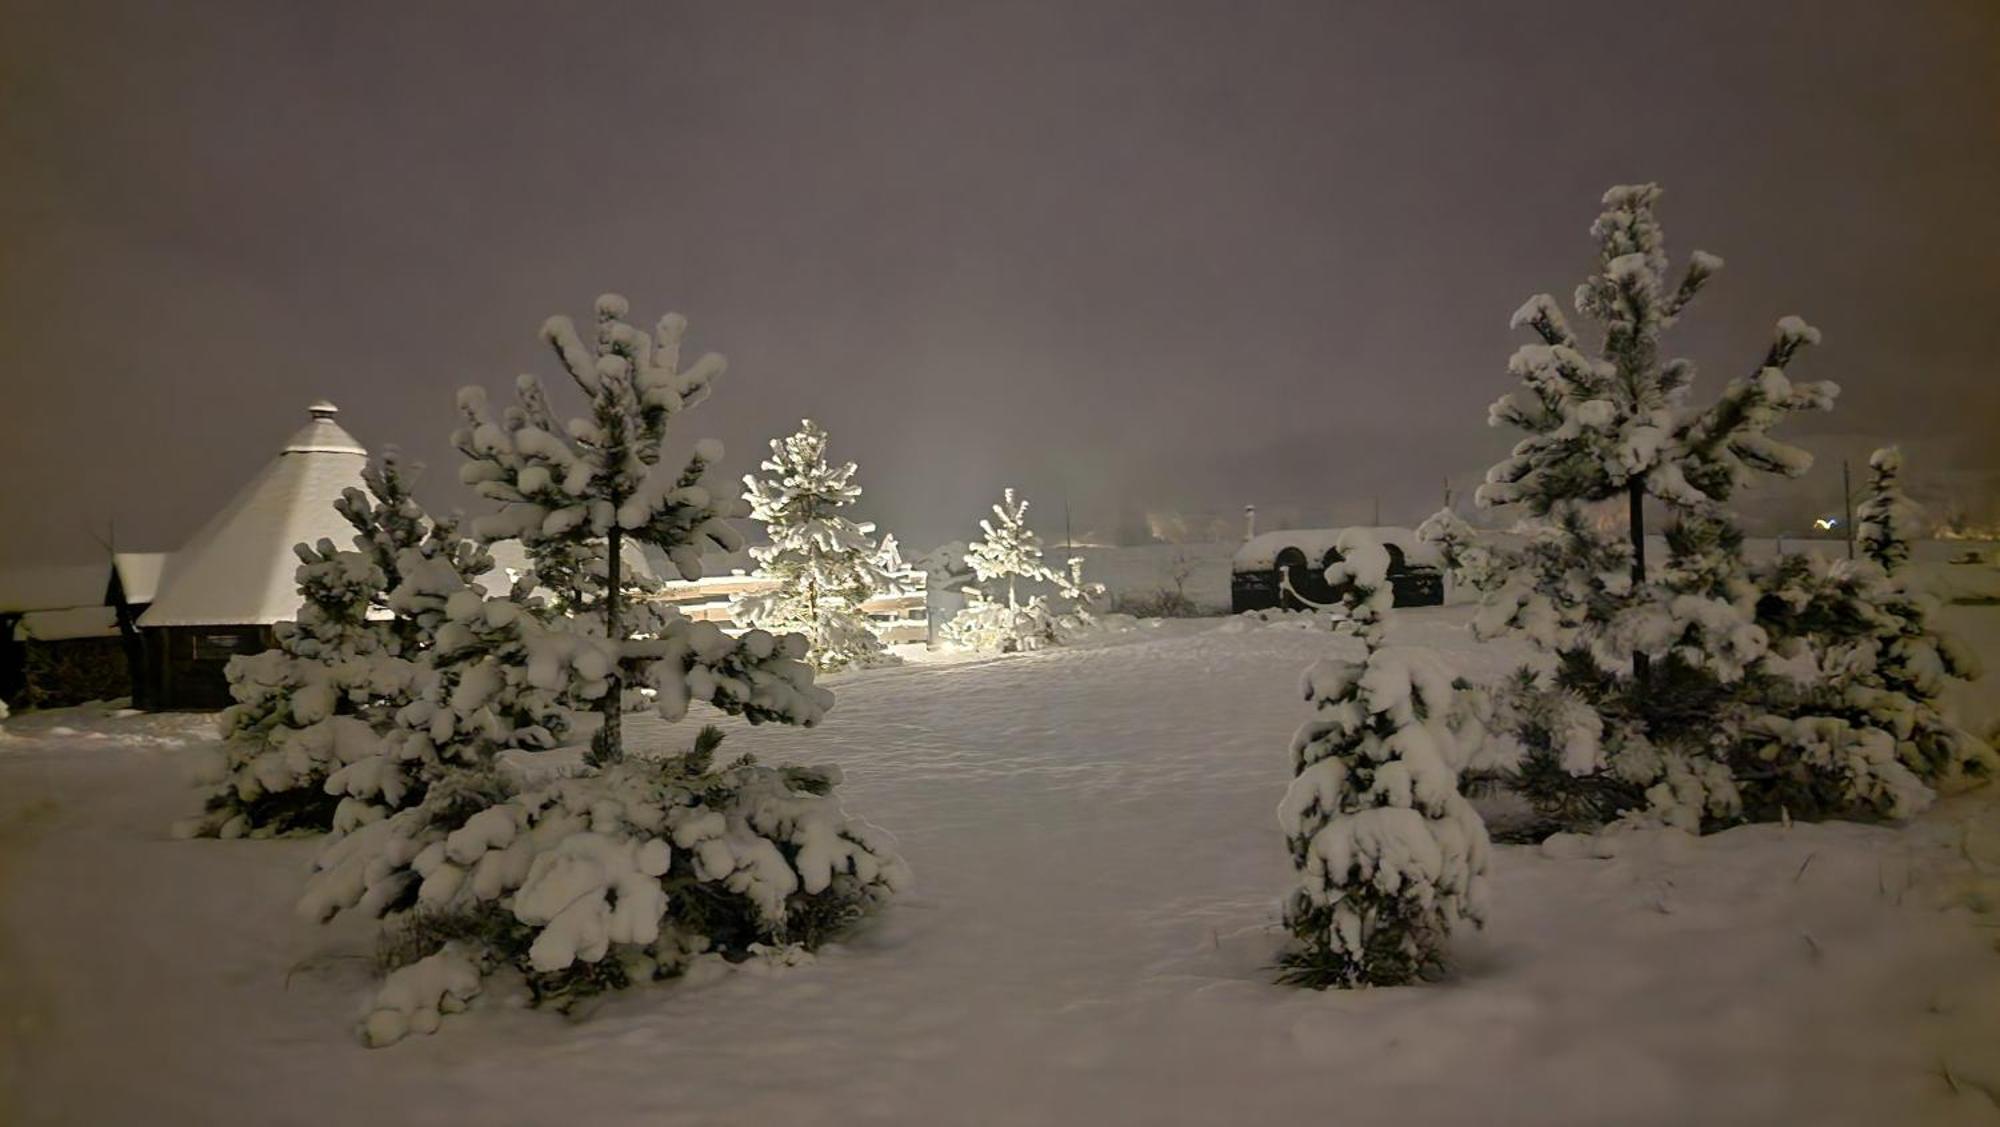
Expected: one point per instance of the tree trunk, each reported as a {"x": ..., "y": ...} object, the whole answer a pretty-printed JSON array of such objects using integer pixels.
[
  {"x": 612, "y": 743},
  {"x": 1642, "y": 663}
]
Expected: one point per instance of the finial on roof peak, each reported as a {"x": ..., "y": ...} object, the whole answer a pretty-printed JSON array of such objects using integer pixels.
[{"x": 323, "y": 410}]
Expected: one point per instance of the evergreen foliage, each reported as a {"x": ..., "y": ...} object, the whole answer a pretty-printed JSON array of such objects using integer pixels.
[
  {"x": 573, "y": 494},
  {"x": 826, "y": 565},
  {"x": 326, "y": 696},
  {"x": 1703, "y": 691},
  {"x": 1010, "y": 554},
  {"x": 1862, "y": 630},
  {"x": 1389, "y": 854},
  {"x": 626, "y": 869}
]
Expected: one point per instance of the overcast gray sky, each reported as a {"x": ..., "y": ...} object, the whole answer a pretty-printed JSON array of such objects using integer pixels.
[{"x": 1145, "y": 255}]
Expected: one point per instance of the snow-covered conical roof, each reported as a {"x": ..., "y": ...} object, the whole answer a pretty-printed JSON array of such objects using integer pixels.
[{"x": 239, "y": 569}]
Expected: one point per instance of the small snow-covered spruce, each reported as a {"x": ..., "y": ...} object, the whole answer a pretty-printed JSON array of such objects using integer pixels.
[
  {"x": 1886, "y": 520},
  {"x": 1389, "y": 854},
  {"x": 1009, "y": 551},
  {"x": 1673, "y": 661},
  {"x": 1009, "y": 557},
  {"x": 1468, "y": 561},
  {"x": 572, "y": 494},
  {"x": 325, "y": 696},
  {"x": 1858, "y": 636},
  {"x": 826, "y": 564}
]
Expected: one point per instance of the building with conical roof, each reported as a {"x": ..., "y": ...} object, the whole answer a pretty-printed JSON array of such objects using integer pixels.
[{"x": 219, "y": 595}]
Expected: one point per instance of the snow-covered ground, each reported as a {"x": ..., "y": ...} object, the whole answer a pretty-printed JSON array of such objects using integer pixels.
[{"x": 1091, "y": 941}]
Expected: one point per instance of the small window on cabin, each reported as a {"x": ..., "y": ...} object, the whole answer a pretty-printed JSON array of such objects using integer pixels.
[{"x": 216, "y": 647}]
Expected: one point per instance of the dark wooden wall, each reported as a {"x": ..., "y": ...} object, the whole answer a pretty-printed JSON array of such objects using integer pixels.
[{"x": 186, "y": 665}]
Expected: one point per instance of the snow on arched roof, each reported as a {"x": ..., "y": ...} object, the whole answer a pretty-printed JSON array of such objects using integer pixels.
[
  {"x": 239, "y": 569},
  {"x": 1260, "y": 552}
]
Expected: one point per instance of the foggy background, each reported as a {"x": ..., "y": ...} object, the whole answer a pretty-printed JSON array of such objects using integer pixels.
[{"x": 1140, "y": 258}]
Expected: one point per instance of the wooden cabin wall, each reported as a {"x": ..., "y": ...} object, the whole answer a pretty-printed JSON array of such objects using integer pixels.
[{"x": 186, "y": 665}]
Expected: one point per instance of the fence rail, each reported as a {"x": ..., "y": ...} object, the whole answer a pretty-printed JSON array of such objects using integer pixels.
[{"x": 903, "y": 616}]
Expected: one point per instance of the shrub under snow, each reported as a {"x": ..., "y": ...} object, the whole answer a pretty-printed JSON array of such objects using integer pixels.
[{"x": 601, "y": 880}]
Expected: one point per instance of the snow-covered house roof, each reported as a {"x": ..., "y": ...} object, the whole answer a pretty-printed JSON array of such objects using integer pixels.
[
  {"x": 139, "y": 574},
  {"x": 38, "y": 592},
  {"x": 57, "y": 587},
  {"x": 1260, "y": 552},
  {"x": 239, "y": 569},
  {"x": 67, "y": 624}
]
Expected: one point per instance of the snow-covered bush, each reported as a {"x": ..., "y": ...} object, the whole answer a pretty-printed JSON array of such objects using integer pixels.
[
  {"x": 600, "y": 880},
  {"x": 326, "y": 695},
  {"x": 1010, "y": 553},
  {"x": 1389, "y": 854},
  {"x": 627, "y": 868},
  {"x": 826, "y": 565},
  {"x": 1699, "y": 716}
]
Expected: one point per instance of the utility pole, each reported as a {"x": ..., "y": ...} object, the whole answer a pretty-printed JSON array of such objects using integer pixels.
[
  {"x": 1067, "y": 545},
  {"x": 1375, "y": 512},
  {"x": 1847, "y": 506}
]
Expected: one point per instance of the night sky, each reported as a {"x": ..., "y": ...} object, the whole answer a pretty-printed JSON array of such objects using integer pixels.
[{"x": 1141, "y": 256}]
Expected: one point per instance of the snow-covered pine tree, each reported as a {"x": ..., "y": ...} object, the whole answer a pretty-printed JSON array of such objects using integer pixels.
[
  {"x": 326, "y": 694},
  {"x": 826, "y": 564},
  {"x": 1010, "y": 553},
  {"x": 629, "y": 868},
  {"x": 1875, "y": 662},
  {"x": 1671, "y": 661},
  {"x": 1389, "y": 854},
  {"x": 1468, "y": 561},
  {"x": 1886, "y": 520},
  {"x": 1082, "y": 595},
  {"x": 565, "y": 490}
]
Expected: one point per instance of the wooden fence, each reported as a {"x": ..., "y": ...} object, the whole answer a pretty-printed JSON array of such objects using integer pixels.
[{"x": 901, "y": 617}]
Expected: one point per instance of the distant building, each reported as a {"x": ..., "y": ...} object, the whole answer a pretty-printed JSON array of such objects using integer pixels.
[
  {"x": 1287, "y": 570},
  {"x": 69, "y": 634},
  {"x": 220, "y": 594}
]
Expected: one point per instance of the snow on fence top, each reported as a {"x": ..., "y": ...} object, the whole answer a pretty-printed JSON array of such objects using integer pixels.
[{"x": 1260, "y": 552}]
